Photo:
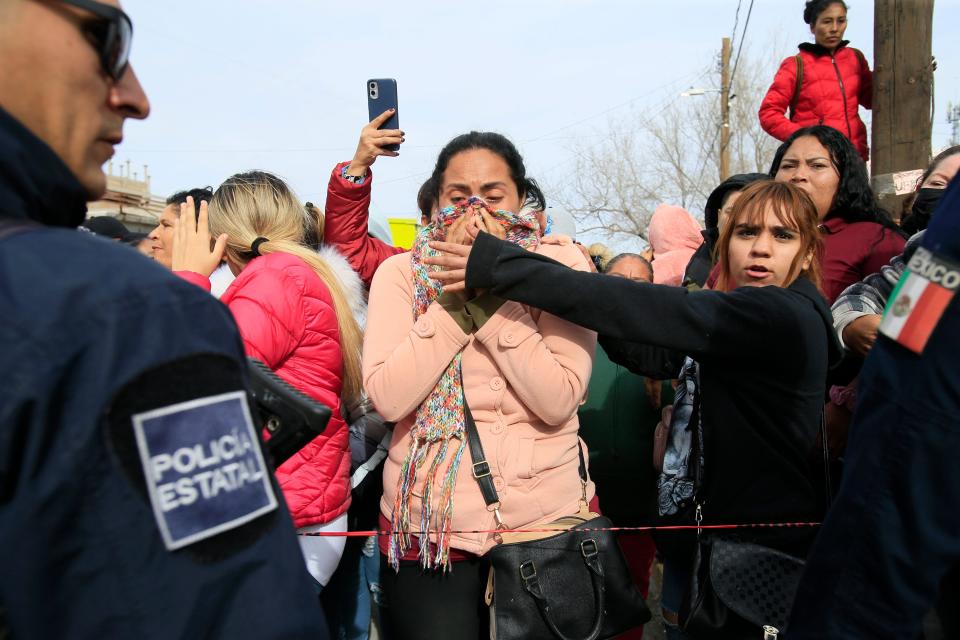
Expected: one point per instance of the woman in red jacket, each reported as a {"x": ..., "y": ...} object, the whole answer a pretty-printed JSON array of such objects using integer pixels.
[
  {"x": 294, "y": 315},
  {"x": 824, "y": 83}
]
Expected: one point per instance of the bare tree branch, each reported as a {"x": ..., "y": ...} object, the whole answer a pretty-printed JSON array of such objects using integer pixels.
[{"x": 670, "y": 156}]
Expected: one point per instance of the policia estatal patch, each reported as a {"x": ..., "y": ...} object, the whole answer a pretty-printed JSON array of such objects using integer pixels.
[
  {"x": 182, "y": 435},
  {"x": 917, "y": 303},
  {"x": 203, "y": 467}
]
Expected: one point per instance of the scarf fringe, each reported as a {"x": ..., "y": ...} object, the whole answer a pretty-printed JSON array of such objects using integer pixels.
[{"x": 400, "y": 541}]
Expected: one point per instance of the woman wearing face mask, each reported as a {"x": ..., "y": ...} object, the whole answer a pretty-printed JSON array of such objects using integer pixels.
[
  {"x": 296, "y": 314},
  {"x": 930, "y": 188},
  {"x": 757, "y": 351},
  {"x": 857, "y": 312},
  {"x": 524, "y": 373},
  {"x": 824, "y": 83},
  {"x": 858, "y": 236}
]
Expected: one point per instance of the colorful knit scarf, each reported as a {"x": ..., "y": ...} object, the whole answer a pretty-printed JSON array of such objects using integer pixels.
[{"x": 440, "y": 417}]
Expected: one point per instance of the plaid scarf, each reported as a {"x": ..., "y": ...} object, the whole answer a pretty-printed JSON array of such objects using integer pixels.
[{"x": 440, "y": 417}]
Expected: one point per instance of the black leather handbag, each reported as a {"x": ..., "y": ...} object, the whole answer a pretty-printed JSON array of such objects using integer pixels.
[
  {"x": 570, "y": 585},
  {"x": 737, "y": 588}
]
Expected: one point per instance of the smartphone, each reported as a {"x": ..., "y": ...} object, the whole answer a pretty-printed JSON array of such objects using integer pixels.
[{"x": 382, "y": 95}]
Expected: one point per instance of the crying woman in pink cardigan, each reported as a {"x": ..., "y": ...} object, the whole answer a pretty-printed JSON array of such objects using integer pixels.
[{"x": 524, "y": 372}]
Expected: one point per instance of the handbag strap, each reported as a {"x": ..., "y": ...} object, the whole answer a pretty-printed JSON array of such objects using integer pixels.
[{"x": 481, "y": 468}]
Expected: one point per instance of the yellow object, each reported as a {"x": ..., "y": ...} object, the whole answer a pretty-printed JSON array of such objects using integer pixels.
[{"x": 403, "y": 231}]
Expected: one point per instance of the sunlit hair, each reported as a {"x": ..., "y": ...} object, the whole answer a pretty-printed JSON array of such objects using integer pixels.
[
  {"x": 793, "y": 208},
  {"x": 258, "y": 204}
]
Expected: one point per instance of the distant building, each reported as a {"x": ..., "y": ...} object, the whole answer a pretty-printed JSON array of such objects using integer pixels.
[{"x": 128, "y": 199}]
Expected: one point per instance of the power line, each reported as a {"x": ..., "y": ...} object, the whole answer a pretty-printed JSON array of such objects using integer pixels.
[
  {"x": 668, "y": 100},
  {"x": 743, "y": 38},
  {"x": 736, "y": 21},
  {"x": 613, "y": 108}
]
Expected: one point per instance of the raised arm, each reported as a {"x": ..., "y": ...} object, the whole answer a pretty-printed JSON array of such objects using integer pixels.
[
  {"x": 701, "y": 323},
  {"x": 345, "y": 224},
  {"x": 348, "y": 201}
]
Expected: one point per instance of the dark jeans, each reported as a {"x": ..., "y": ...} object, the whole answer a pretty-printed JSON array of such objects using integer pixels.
[{"x": 427, "y": 604}]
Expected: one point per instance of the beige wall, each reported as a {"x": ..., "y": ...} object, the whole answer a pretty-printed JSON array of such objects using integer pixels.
[{"x": 128, "y": 199}]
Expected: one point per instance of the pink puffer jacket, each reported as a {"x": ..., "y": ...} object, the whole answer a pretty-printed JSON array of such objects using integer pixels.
[{"x": 287, "y": 321}]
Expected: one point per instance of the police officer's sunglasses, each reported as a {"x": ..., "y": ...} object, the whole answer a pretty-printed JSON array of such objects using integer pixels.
[{"x": 110, "y": 34}]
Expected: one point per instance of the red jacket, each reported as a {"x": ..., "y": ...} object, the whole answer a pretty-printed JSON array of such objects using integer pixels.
[
  {"x": 854, "y": 250},
  {"x": 345, "y": 225},
  {"x": 287, "y": 321},
  {"x": 832, "y": 89}
]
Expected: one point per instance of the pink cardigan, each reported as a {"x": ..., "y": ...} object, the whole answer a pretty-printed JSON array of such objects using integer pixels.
[{"x": 525, "y": 373}]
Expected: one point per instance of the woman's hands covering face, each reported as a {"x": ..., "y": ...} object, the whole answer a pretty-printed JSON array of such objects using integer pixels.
[{"x": 476, "y": 219}]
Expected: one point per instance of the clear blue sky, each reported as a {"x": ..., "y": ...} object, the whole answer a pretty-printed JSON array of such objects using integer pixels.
[{"x": 280, "y": 85}]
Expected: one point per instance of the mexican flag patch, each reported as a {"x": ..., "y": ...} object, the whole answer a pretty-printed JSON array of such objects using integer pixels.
[{"x": 919, "y": 300}]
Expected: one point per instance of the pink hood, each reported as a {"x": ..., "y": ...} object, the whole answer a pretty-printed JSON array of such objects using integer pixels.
[{"x": 674, "y": 236}]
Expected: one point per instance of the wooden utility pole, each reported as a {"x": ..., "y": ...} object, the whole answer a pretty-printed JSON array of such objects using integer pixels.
[
  {"x": 902, "y": 93},
  {"x": 725, "y": 110}
]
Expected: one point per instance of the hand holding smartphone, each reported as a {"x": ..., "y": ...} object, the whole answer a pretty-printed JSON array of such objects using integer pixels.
[
  {"x": 382, "y": 136},
  {"x": 381, "y": 96}
]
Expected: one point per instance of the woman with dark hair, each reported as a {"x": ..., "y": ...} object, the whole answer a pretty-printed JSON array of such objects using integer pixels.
[
  {"x": 428, "y": 356},
  {"x": 824, "y": 83},
  {"x": 754, "y": 355},
  {"x": 858, "y": 236},
  {"x": 930, "y": 188}
]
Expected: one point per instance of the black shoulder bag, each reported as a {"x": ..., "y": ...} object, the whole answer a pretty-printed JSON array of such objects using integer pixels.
[
  {"x": 737, "y": 585},
  {"x": 570, "y": 585}
]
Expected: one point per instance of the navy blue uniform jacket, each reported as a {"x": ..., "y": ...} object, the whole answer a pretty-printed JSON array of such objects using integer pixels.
[{"x": 91, "y": 333}]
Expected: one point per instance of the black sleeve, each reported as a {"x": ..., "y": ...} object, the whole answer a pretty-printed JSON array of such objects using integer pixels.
[
  {"x": 698, "y": 324},
  {"x": 643, "y": 359}
]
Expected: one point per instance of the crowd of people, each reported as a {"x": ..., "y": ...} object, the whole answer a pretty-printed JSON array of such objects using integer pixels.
[{"x": 717, "y": 379}]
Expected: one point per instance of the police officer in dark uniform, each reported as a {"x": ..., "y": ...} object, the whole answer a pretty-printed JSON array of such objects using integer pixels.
[
  {"x": 135, "y": 501},
  {"x": 893, "y": 531}
]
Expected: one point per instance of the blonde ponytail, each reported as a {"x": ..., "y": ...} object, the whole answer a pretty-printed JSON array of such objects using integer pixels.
[{"x": 259, "y": 204}]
